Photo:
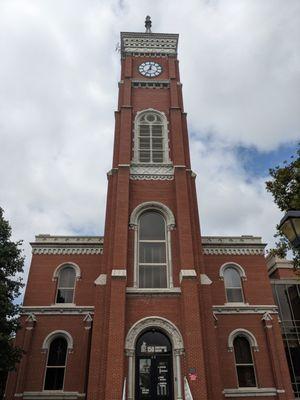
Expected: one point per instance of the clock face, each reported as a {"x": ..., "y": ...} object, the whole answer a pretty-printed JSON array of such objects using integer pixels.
[{"x": 150, "y": 69}]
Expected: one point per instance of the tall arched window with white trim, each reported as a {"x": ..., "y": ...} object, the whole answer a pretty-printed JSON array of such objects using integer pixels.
[
  {"x": 56, "y": 364},
  {"x": 66, "y": 284},
  {"x": 233, "y": 285},
  {"x": 151, "y": 138},
  {"x": 152, "y": 250},
  {"x": 244, "y": 362}
]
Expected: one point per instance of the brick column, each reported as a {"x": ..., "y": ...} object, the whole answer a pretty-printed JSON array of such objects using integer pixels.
[
  {"x": 193, "y": 342},
  {"x": 116, "y": 336},
  {"x": 273, "y": 354},
  {"x": 85, "y": 354},
  {"x": 22, "y": 373}
]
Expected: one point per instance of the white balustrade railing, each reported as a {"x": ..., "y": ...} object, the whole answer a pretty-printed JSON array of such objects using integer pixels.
[
  {"x": 124, "y": 390},
  {"x": 187, "y": 390}
]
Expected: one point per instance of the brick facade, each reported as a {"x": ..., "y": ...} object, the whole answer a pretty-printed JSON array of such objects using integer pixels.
[{"x": 110, "y": 311}]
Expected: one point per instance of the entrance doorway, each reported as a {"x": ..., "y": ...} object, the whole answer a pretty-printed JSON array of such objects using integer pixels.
[{"x": 154, "y": 369}]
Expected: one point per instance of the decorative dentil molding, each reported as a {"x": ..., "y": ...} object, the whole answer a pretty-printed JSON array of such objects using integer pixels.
[
  {"x": 137, "y": 43},
  {"x": 152, "y": 172},
  {"x": 232, "y": 245},
  {"x": 155, "y": 84},
  {"x": 48, "y": 244},
  {"x": 237, "y": 251}
]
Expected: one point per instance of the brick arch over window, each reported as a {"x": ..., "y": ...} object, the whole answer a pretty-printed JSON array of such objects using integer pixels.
[
  {"x": 242, "y": 332},
  {"x": 234, "y": 265},
  {"x": 151, "y": 142},
  {"x": 67, "y": 264},
  {"x": 55, "y": 334},
  {"x": 153, "y": 205},
  {"x": 163, "y": 324}
]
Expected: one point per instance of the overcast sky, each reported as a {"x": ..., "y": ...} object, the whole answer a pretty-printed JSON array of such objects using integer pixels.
[{"x": 240, "y": 66}]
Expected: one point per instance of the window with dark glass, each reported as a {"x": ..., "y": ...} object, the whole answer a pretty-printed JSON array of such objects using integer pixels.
[
  {"x": 244, "y": 362},
  {"x": 65, "y": 285},
  {"x": 151, "y": 146},
  {"x": 56, "y": 364},
  {"x": 287, "y": 297},
  {"x": 152, "y": 252},
  {"x": 233, "y": 285}
]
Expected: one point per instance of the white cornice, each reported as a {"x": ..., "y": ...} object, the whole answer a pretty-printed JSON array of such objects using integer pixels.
[
  {"x": 137, "y": 42},
  {"x": 232, "y": 245},
  {"x": 56, "y": 239},
  {"x": 241, "y": 308},
  {"x": 57, "y": 309},
  {"x": 48, "y": 244}
]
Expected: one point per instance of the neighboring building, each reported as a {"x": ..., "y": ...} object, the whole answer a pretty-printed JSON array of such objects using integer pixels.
[
  {"x": 286, "y": 290},
  {"x": 152, "y": 310}
]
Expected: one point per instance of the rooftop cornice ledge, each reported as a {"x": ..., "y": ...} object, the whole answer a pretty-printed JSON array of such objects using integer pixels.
[{"x": 233, "y": 245}]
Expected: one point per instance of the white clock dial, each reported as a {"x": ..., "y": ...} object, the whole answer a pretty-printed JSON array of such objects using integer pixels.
[{"x": 150, "y": 69}]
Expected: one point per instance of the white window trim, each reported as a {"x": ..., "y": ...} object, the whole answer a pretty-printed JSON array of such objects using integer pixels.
[
  {"x": 58, "y": 333},
  {"x": 170, "y": 224},
  {"x": 242, "y": 275},
  {"x": 65, "y": 264},
  {"x": 46, "y": 346},
  {"x": 249, "y": 337},
  {"x": 238, "y": 267},
  {"x": 56, "y": 274},
  {"x": 175, "y": 337},
  {"x": 166, "y": 150},
  {"x": 244, "y": 332}
]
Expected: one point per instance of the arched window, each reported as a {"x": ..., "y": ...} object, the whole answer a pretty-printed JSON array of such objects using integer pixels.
[
  {"x": 66, "y": 285},
  {"x": 56, "y": 364},
  {"x": 233, "y": 285},
  {"x": 151, "y": 138},
  {"x": 152, "y": 250},
  {"x": 244, "y": 362}
]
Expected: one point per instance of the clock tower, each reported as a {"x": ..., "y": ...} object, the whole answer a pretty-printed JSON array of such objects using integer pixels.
[{"x": 151, "y": 316}]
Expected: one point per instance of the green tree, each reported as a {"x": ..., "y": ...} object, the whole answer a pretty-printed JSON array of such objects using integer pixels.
[
  {"x": 285, "y": 188},
  {"x": 11, "y": 265}
]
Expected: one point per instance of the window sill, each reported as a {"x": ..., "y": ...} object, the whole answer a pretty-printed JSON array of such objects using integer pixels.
[
  {"x": 251, "y": 392},
  {"x": 151, "y": 291},
  {"x": 51, "y": 394}
]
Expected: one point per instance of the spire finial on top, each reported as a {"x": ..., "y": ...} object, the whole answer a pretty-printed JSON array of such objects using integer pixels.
[{"x": 148, "y": 24}]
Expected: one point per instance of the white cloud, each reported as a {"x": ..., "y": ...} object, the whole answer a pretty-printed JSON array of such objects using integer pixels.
[{"x": 239, "y": 64}]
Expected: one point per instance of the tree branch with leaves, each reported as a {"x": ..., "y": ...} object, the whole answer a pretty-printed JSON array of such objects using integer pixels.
[
  {"x": 285, "y": 188},
  {"x": 11, "y": 266}
]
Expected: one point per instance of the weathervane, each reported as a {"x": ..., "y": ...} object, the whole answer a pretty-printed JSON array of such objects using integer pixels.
[{"x": 148, "y": 24}]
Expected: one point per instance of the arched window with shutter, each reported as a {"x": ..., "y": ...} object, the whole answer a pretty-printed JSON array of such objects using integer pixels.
[{"x": 151, "y": 138}]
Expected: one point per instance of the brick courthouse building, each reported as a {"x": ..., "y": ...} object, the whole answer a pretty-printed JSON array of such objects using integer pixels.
[{"x": 152, "y": 310}]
